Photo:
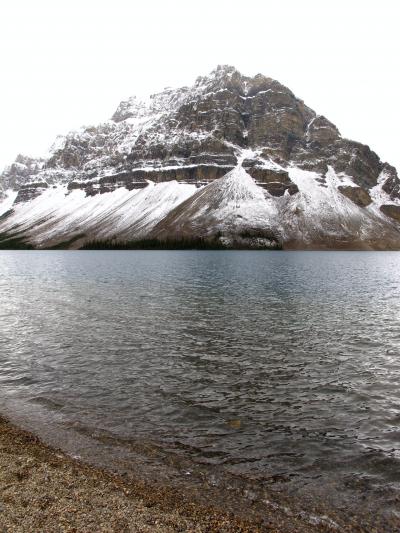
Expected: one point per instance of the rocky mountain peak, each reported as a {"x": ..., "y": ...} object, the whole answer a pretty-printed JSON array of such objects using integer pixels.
[
  {"x": 130, "y": 108},
  {"x": 220, "y": 76},
  {"x": 227, "y": 77}
]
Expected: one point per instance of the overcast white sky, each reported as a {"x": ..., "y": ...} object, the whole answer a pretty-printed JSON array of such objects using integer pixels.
[{"x": 65, "y": 64}]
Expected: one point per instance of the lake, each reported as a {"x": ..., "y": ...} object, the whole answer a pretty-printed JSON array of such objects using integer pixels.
[{"x": 278, "y": 371}]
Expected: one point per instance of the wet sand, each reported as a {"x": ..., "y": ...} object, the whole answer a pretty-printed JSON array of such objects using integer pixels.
[{"x": 44, "y": 490}]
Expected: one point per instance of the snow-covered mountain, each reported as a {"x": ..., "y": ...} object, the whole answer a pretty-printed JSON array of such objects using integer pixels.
[{"x": 233, "y": 161}]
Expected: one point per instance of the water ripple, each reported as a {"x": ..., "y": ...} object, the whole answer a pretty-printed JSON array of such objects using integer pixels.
[{"x": 275, "y": 364}]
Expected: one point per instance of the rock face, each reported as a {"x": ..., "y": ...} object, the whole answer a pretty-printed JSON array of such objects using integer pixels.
[
  {"x": 233, "y": 158},
  {"x": 358, "y": 195},
  {"x": 392, "y": 211}
]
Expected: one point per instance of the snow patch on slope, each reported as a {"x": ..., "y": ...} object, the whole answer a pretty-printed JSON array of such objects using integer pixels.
[
  {"x": 378, "y": 195},
  {"x": 242, "y": 199},
  {"x": 240, "y": 194},
  {"x": 318, "y": 199},
  {"x": 58, "y": 215},
  {"x": 228, "y": 206},
  {"x": 320, "y": 212},
  {"x": 7, "y": 201}
]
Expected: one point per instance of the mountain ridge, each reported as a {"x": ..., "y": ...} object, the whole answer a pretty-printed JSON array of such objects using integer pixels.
[{"x": 107, "y": 182}]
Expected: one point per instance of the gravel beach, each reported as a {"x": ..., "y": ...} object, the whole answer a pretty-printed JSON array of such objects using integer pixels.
[{"x": 44, "y": 490}]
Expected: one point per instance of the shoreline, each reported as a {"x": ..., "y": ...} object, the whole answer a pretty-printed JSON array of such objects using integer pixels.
[{"x": 44, "y": 489}]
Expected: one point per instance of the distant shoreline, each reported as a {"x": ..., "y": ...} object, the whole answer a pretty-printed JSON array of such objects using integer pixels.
[
  {"x": 189, "y": 245},
  {"x": 246, "y": 241},
  {"x": 79, "y": 242}
]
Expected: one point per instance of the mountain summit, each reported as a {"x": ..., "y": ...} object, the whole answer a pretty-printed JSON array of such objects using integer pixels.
[{"x": 233, "y": 161}]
